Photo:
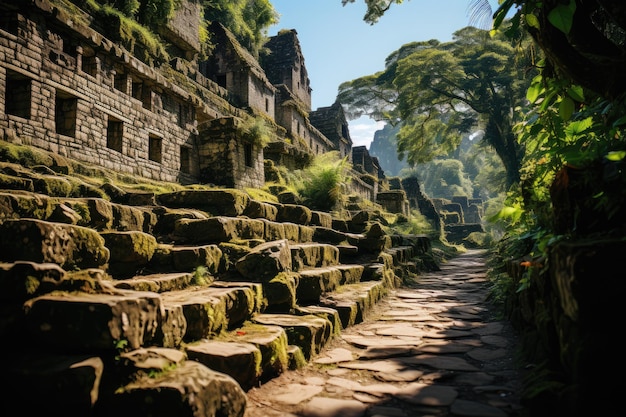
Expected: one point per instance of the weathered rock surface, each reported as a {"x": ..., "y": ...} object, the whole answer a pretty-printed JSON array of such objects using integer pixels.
[{"x": 178, "y": 308}]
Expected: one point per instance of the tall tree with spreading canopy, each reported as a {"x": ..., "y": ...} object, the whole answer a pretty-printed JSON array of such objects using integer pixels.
[{"x": 437, "y": 92}]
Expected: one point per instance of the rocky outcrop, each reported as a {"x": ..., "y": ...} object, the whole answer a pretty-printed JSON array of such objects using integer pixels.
[{"x": 179, "y": 304}]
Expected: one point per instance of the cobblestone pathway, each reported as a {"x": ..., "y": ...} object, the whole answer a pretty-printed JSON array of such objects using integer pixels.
[{"x": 433, "y": 348}]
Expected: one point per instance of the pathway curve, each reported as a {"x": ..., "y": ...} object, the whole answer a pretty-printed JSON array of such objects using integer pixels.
[{"x": 432, "y": 348}]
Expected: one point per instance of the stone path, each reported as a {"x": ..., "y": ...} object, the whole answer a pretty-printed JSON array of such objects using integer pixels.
[{"x": 433, "y": 348}]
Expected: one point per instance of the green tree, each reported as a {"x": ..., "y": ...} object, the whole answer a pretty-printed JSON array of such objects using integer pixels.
[
  {"x": 438, "y": 92},
  {"x": 248, "y": 20}
]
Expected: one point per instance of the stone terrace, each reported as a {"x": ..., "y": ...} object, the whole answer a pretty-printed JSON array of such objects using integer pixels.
[{"x": 174, "y": 303}]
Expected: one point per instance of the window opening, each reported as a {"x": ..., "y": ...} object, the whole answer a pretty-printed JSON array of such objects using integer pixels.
[
  {"x": 115, "y": 133},
  {"x": 155, "y": 148},
  {"x": 18, "y": 88},
  {"x": 65, "y": 106}
]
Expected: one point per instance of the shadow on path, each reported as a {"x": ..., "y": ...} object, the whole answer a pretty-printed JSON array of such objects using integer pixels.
[{"x": 433, "y": 347}]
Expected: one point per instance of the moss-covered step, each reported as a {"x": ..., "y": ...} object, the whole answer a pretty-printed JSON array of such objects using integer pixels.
[
  {"x": 310, "y": 333},
  {"x": 210, "y": 311},
  {"x": 79, "y": 322}
]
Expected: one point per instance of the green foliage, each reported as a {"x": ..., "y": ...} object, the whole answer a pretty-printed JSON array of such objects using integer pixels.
[
  {"x": 153, "y": 13},
  {"x": 201, "y": 276},
  {"x": 256, "y": 130},
  {"x": 415, "y": 224},
  {"x": 375, "y": 8},
  {"x": 323, "y": 183},
  {"x": 128, "y": 7},
  {"x": 567, "y": 126},
  {"x": 248, "y": 20},
  {"x": 121, "y": 345},
  {"x": 131, "y": 23},
  {"x": 439, "y": 92},
  {"x": 444, "y": 178}
]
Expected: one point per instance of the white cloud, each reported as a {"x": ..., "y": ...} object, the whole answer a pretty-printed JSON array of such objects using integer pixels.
[{"x": 362, "y": 130}]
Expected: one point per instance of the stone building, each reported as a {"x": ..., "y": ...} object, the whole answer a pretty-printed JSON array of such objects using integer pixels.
[
  {"x": 284, "y": 66},
  {"x": 331, "y": 121},
  {"x": 67, "y": 88}
]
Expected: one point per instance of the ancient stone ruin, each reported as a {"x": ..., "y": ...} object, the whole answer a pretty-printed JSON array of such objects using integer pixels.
[
  {"x": 68, "y": 89},
  {"x": 130, "y": 302}
]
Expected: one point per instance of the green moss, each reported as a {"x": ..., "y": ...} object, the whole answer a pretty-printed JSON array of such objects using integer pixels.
[
  {"x": 82, "y": 209},
  {"x": 261, "y": 195},
  {"x": 53, "y": 186},
  {"x": 10, "y": 182},
  {"x": 90, "y": 251},
  {"x": 201, "y": 276},
  {"x": 296, "y": 359},
  {"x": 31, "y": 285},
  {"x": 24, "y": 155}
]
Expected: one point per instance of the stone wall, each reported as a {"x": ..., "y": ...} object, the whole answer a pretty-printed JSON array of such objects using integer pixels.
[
  {"x": 394, "y": 201},
  {"x": 66, "y": 88},
  {"x": 227, "y": 159},
  {"x": 235, "y": 69},
  {"x": 85, "y": 98},
  {"x": 567, "y": 314},
  {"x": 361, "y": 188}
]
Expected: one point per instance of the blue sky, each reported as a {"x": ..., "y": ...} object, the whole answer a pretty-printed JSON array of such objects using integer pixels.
[{"x": 339, "y": 46}]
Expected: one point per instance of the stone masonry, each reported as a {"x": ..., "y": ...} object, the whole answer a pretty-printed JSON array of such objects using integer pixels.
[{"x": 67, "y": 88}]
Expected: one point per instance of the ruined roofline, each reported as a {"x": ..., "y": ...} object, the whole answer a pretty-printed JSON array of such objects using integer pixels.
[
  {"x": 294, "y": 101},
  {"x": 244, "y": 55}
]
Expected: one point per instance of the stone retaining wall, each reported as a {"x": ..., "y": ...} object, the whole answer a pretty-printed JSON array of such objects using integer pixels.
[{"x": 567, "y": 314}]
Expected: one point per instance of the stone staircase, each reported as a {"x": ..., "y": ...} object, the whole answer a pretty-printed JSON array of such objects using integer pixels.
[{"x": 144, "y": 304}]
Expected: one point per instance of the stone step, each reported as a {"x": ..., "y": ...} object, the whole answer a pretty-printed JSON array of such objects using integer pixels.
[
  {"x": 69, "y": 246},
  {"x": 311, "y": 255},
  {"x": 310, "y": 333},
  {"x": 354, "y": 301},
  {"x": 209, "y": 311},
  {"x": 164, "y": 387},
  {"x": 252, "y": 354},
  {"x": 232, "y": 301},
  {"x": 80, "y": 322}
]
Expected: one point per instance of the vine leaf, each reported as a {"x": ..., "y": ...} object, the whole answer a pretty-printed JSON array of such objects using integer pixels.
[
  {"x": 562, "y": 16},
  {"x": 566, "y": 108}
]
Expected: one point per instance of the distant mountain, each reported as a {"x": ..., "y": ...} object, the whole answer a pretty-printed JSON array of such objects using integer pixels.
[{"x": 384, "y": 148}]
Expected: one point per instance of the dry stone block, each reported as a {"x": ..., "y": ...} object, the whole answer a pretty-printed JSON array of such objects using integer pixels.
[
  {"x": 156, "y": 282},
  {"x": 130, "y": 251},
  {"x": 66, "y": 385},
  {"x": 311, "y": 255},
  {"x": 321, "y": 218},
  {"x": 271, "y": 341},
  {"x": 81, "y": 321},
  {"x": 188, "y": 258},
  {"x": 265, "y": 261},
  {"x": 292, "y": 232},
  {"x": 294, "y": 213},
  {"x": 310, "y": 333},
  {"x": 172, "y": 330},
  {"x": 204, "y": 311},
  {"x": 273, "y": 230},
  {"x": 315, "y": 282},
  {"x": 21, "y": 280},
  {"x": 261, "y": 210},
  {"x": 240, "y": 302},
  {"x": 35, "y": 206},
  {"x": 242, "y": 361},
  {"x": 281, "y": 291},
  {"x": 70, "y": 246},
  {"x": 218, "y": 202},
  {"x": 190, "y": 389},
  {"x": 217, "y": 229}
]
